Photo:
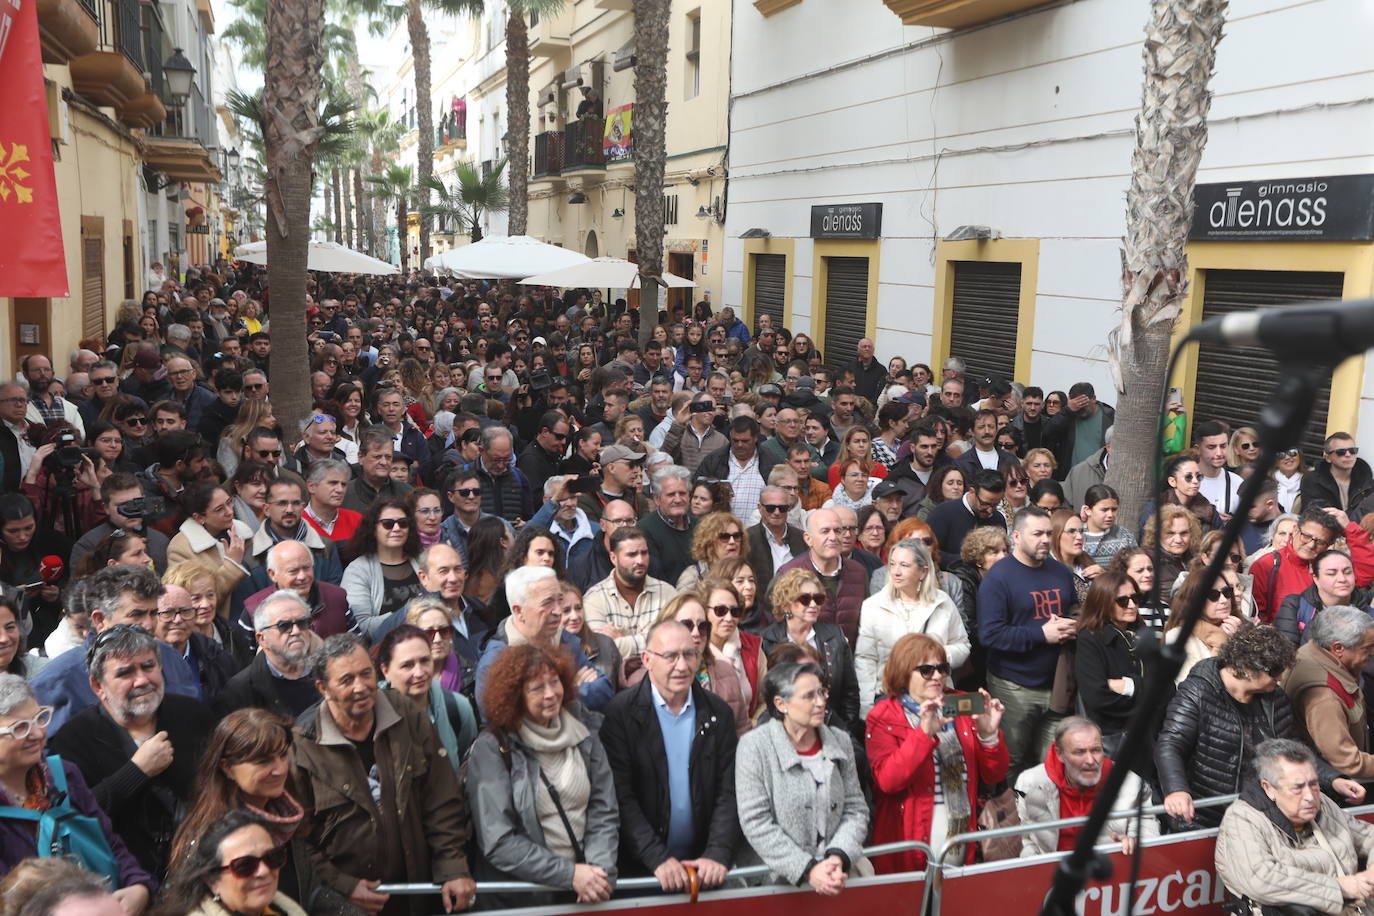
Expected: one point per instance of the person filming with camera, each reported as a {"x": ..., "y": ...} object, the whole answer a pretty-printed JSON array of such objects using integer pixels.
[
  {"x": 62, "y": 481},
  {"x": 125, "y": 508}
]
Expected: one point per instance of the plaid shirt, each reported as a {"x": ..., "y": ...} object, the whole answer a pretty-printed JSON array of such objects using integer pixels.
[
  {"x": 747, "y": 483},
  {"x": 604, "y": 606},
  {"x": 48, "y": 411}
]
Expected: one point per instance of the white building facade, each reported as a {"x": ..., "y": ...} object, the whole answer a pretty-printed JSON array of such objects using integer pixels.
[{"x": 961, "y": 191}]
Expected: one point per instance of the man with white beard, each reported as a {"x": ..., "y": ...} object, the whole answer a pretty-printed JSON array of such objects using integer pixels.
[
  {"x": 1065, "y": 785},
  {"x": 138, "y": 749}
]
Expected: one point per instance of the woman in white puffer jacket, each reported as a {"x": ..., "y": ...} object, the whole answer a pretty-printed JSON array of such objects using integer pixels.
[{"x": 911, "y": 602}]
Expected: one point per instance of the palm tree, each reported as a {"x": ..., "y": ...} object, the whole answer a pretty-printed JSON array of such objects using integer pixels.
[
  {"x": 385, "y": 13},
  {"x": 380, "y": 135},
  {"x": 292, "y": 131},
  {"x": 393, "y": 187},
  {"x": 472, "y": 196},
  {"x": 650, "y": 118},
  {"x": 1171, "y": 132},
  {"x": 518, "y": 105}
]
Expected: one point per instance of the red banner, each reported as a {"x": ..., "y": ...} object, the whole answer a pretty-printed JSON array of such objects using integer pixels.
[{"x": 31, "y": 257}]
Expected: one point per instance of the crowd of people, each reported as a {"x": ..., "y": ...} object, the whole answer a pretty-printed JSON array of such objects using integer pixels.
[{"x": 523, "y": 599}]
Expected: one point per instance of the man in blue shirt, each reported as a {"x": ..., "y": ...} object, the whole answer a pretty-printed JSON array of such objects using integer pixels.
[
  {"x": 1026, "y": 608},
  {"x": 669, "y": 729},
  {"x": 116, "y": 594}
]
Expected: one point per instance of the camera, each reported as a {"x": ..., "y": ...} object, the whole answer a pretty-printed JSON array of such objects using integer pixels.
[
  {"x": 539, "y": 380},
  {"x": 67, "y": 454},
  {"x": 144, "y": 507}
]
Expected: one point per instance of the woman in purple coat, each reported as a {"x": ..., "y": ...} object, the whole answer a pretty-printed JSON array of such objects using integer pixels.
[{"x": 27, "y": 782}]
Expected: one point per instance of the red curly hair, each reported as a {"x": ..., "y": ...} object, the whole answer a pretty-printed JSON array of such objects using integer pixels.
[{"x": 503, "y": 701}]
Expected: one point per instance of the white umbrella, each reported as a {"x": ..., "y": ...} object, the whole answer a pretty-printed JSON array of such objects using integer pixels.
[
  {"x": 610, "y": 273},
  {"x": 504, "y": 257},
  {"x": 329, "y": 257}
]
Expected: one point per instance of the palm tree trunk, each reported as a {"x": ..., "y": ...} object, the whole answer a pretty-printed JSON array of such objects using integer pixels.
[
  {"x": 518, "y": 120},
  {"x": 419, "y": 49},
  {"x": 334, "y": 180},
  {"x": 365, "y": 235},
  {"x": 378, "y": 220},
  {"x": 347, "y": 186},
  {"x": 1171, "y": 132},
  {"x": 291, "y": 99},
  {"x": 328, "y": 194},
  {"x": 650, "y": 151},
  {"x": 402, "y": 242}
]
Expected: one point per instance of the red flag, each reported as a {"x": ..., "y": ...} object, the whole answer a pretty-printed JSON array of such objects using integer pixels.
[{"x": 31, "y": 257}]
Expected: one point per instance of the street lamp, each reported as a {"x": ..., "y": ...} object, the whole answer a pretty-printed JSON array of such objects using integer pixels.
[
  {"x": 234, "y": 159},
  {"x": 179, "y": 73}
]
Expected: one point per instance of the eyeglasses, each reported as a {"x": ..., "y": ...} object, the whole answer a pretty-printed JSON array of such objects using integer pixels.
[
  {"x": 691, "y": 656},
  {"x": 730, "y": 536},
  {"x": 1190, "y": 478},
  {"x": 167, "y": 615},
  {"x": 22, "y": 728},
  {"x": 1217, "y": 594},
  {"x": 390, "y": 523},
  {"x": 811, "y": 598},
  {"x": 727, "y": 610},
  {"x": 436, "y": 633},
  {"x": 430, "y": 510},
  {"x": 1319, "y": 542},
  {"x": 773, "y": 507},
  {"x": 1234, "y": 558},
  {"x": 1342, "y": 452},
  {"x": 110, "y": 380},
  {"x": 245, "y": 867},
  {"x": 467, "y": 492},
  {"x": 618, "y": 522},
  {"x": 929, "y": 671},
  {"x": 1125, "y": 601},
  {"x": 268, "y": 452},
  {"x": 304, "y": 624}
]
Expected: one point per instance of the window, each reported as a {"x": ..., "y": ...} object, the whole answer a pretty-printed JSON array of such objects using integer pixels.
[
  {"x": 692, "y": 82},
  {"x": 984, "y": 324},
  {"x": 670, "y": 209}
]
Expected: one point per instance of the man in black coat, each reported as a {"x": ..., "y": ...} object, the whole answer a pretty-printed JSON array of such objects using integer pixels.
[
  {"x": 278, "y": 678},
  {"x": 671, "y": 746},
  {"x": 138, "y": 749}
]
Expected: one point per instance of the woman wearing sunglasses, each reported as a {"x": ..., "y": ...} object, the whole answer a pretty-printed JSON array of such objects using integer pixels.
[
  {"x": 912, "y": 602},
  {"x": 1288, "y": 474},
  {"x": 385, "y": 574},
  {"x": 912, "y": 748},
  {"x": 717, "y": 536},
  {"x": 726, "y": 609},
  {"x": 27, "y": 782},
  {"x": 715, "y": 674},
  {"x": 1111, "y": 670},
  {"x": 798, "y": 598},
  {"x": 1220, "y": 618},
  {"x": 1184, "y": 479},
  {"x": 234, "y": 869}
]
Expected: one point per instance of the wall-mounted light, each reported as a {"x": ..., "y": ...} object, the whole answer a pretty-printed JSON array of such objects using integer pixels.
[
  {"x": 715, "y": 211},
  {"x": 617, "y": 213},
  {"x": 756, "y": 234},
  {"x": 693, "y": 181},
  {"x": 577, "y": 197}
]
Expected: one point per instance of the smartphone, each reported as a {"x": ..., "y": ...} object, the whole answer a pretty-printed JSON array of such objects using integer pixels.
[
  {"x": 963, "y": 704},
  {"x": 702, "y": 407},
  {"x": 585, "y": 484},
  {"x": 1175, "y": 395}
]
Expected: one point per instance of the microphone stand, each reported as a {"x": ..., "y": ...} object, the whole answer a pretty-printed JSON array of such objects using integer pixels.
[{"x": 1281, "y": 422}]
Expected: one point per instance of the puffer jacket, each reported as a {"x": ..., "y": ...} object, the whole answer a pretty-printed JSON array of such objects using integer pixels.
[
  {"x": 1260, "y": 856},
  {"x": 1201, "y": 747},
  {"x": 884, "y": 620},
  {"x": 508, "y": 496},
  {"x": 501, "y": 783},
  {"x": 839, "y": 668}
]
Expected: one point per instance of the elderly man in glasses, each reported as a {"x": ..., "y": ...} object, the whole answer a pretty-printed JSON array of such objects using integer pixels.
[
  {"x": 278, "y": 679},
  {"x": 1289, "y": 571}
]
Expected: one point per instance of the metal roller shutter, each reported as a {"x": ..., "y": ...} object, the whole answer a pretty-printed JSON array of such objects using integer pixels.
[
  {"x": 985, "y": 317},
  {"x": 770, "y": 286},
  {"x": 93, "y": 287},
  {"x": 1231, "y": 383},
  {"x": 846, "y": 309}
]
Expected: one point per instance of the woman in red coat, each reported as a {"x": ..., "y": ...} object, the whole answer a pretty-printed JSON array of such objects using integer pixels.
[{"x": 927, "y": 769}]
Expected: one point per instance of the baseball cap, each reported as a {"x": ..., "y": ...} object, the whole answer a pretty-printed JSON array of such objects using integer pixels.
[
  {"x": 538, "y": 342},
  {"x": 886, "y": 488},
  {"x": 806, "y": 381},
  {"x": 147, "y": 359},
  {"x": 619, "y": 453},
  {"x": 774, "y": 390},
  {"x": 911, "y": 397}
]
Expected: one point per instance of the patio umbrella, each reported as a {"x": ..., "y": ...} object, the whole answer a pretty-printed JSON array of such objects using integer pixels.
[
  {"x": 329, "y": 257},
  {"x": 504, "y": 257},
  {"x": 608, "y": 273}
]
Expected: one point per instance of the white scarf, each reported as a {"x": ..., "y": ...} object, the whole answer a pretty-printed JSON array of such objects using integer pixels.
[{"x": 555, "y": 751}]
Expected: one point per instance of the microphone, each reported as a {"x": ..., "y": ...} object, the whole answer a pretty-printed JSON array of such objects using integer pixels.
[
  {"x": 50, "y": 572},
  {"x": 1326, "y": 332}
]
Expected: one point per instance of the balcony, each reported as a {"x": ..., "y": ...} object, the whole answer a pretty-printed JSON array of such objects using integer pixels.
[
  {"x": 582, "y": 151},
  {"x": 548, "y": 156},
  {"x": 957, "y": 14},
  {"x": 67, "y": 29},
  {"x": 147, "y": 111},
  {"x": 179, "y": 146},
  {"x": 550, "y": 36},
  {"x": 112, "y": 75},
  {"x": 450, "y": 136}
]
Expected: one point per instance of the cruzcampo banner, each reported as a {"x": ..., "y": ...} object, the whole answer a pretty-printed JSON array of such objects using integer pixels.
[
  {"x": 618, "y": 142},
  {"x": 31, "y": 258}
]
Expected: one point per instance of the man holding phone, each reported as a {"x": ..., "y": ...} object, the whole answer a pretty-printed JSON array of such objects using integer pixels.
[
  {"x": 693, "y": 435},
  {"x": 1024, "y": 607}
]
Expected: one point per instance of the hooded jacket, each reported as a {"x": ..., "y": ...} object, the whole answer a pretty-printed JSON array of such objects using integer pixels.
[
  {"x": 1294, "y": 575},
  {"x": 1319, "y": 486},
  {"x": 1044, "y": 793},
  {"x": 1330, "y": 710}
]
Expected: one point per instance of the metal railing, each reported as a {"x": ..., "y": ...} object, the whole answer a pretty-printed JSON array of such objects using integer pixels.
[
  {"x": 548, "y": 152},
  {"x": 128, "y": 35},
  {"x": 582, "y": 144},
  {"x": 153, "y": 52}
]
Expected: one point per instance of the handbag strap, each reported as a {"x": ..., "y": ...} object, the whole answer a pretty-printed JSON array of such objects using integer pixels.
[{"x": 563, "y": 816}]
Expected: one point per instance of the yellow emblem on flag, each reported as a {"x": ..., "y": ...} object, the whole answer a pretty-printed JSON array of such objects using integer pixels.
[{"x": 12, "y": 174}]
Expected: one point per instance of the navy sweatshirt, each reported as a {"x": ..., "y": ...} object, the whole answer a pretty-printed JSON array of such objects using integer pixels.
[
  {"x": 1014, "y": 601},
  {"x": 951, "y": 521}
]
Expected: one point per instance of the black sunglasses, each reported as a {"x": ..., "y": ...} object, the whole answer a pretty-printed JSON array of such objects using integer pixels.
[
  {"x": 390, "y": 523},
  {"x": 1125, "y": 601},
  {"x": 770, "y": 507},
  {"x": 721, "y": 610},
  {"x": 1217, "y": 593},
  {"x": 468, "y": 492},
  {"x": 247, "y": 866},
  {"x": 929, "y": 671}
]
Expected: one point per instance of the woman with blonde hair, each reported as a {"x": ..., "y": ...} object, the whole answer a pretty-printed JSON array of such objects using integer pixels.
[
  {"x": 600, "y": 649},
  {"x": 717, "y": 536},
  {"x": 1180, "y": 534},
  {"x": 857, "y": 445},
  {"x": 1242, "y": 448},
  {"x": 726, "y": 610},
  {"x": 197, "y": 576},
  {"x": 912, "y": 602},
  {"x": 1039, "y": 465}
]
